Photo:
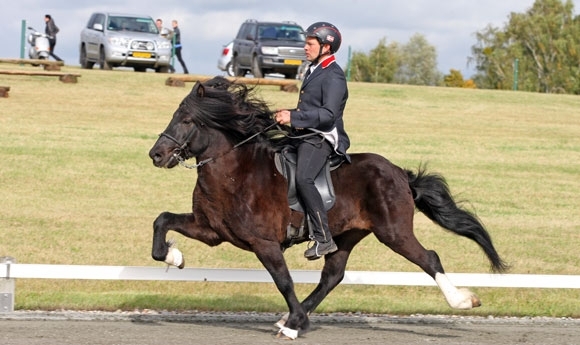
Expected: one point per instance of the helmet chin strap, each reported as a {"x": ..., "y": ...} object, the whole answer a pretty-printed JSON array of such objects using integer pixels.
[{"x": 320, "y": 54}]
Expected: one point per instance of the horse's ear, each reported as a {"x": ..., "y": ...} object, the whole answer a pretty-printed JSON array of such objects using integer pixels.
[{"x": 198, "y": 89}]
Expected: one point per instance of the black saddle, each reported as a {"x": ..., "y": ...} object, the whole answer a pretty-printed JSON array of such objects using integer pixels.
[{"x": 285, "y": 161}]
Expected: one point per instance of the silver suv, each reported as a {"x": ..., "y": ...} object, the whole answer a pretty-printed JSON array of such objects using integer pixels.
[
  {"x": 268, "y": 47},
  {"x": 124, "y": 40}
]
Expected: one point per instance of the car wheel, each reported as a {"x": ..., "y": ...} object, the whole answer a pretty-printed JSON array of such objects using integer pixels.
[
  {"x": 238, "y": 72},
  {"x": 230, "y": 69},
  {"x": 256, "y": 71},
  {"x": 85, "y": 63},
  {"x": 102, "y": 61},
  {"x": 162, "y": 69}
]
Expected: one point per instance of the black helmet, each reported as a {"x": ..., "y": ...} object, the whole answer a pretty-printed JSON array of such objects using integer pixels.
[{"x": 326, "y": 33}]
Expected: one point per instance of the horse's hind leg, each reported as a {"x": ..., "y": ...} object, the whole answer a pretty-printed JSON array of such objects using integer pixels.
[{"x": 399, "y": 236}]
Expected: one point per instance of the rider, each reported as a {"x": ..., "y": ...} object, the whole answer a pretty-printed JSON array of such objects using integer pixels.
[{"x": 321, "y": 103}]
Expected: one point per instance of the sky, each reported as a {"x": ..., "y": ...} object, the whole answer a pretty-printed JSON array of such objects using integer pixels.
[{"x": 207, "y": 25}]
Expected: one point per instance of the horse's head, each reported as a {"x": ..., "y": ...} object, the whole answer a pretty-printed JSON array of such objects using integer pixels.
[
  {"x": 216, "y": 108},
  {"x": 183, "y": 138}
]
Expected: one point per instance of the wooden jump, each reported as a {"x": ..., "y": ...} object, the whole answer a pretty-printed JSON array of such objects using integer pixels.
[
  {"x": 62, "y": 76},
  {"x": 288, "y": 85},
  {"x": 4, "y": 91},
  {"x": 48, "y": 65}
]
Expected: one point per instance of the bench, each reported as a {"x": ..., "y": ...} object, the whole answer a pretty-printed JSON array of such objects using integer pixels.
[
  {"x": 48, "y": 65},
  {"x": 288, "y": 85},
  {"x": 62, "y": 76}
]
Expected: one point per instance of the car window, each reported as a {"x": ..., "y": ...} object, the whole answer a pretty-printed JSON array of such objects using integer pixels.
[
  {"x": 91, "y": 21},
  {"x": 99, "y": 19},
  {"x": 281, "y": 32},
  {"x": 245, "y": 31},
  {"x": 96, "y": 18},
  {"x": 134, "y": 24},
  {"x": 267, "y": 32},
  {"x": 292, "y": 33}
]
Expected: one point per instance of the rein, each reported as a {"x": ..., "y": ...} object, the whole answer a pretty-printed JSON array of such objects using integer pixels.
[{"x": 177, "y": 153}]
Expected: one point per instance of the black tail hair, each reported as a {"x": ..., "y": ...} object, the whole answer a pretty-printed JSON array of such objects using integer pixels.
[{"x": 433, "y": 198}]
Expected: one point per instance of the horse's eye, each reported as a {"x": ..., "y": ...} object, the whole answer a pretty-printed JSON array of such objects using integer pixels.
[{"x": 187, "y": 122}]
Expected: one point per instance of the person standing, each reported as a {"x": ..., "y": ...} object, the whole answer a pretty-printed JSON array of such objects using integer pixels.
[
  {"x": 318, "y": 128},
  {"x": 167, "y": 34},
  {"x": 164, "y": 32},
  {"x": 177, "y": 45},
  {"x": 51, "y": 30}
]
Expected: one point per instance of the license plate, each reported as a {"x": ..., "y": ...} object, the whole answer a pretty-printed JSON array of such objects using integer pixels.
[
  {"x": 293, "y": 62},
  {"x": 142, "y": 55}
]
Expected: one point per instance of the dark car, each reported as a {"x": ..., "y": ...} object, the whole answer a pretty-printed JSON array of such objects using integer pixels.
[{"x": 268, "y": 47}]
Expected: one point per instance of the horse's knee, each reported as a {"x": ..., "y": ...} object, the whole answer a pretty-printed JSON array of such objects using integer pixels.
[
  {"x": 159, "y": 247},
  {"x": 160, "y": 221}
]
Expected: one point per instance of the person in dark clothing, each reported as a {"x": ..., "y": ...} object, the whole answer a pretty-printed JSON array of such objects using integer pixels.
[
  {"x": 51, "y": 30},
  {"x": 177, "y": 46},
  {"x": 322, "y": 100}
]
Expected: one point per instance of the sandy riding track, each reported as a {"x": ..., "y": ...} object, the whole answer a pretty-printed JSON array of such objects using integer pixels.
[{"x": 148, "y": 328}]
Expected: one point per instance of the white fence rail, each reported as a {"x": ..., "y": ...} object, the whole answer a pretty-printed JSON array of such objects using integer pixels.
[{"x": 10, "y": 271}]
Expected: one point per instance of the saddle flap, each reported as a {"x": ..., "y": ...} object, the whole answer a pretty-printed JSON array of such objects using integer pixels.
[{"x": 285, "y": 162}]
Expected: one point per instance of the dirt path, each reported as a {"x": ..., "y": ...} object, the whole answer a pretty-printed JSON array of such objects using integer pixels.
[{"x": 98, "y": 328}]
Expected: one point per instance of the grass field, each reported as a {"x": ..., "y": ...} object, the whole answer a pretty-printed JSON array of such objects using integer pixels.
[{"x": 77, "y": 187}]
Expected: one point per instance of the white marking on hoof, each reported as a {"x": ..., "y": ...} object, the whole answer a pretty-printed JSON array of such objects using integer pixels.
[
  {"x": 456, "y": 298},
  {"x": 174, "y": 257},
  {"x": 290, "y": 333},
  {"x": 282, "y": 321}
]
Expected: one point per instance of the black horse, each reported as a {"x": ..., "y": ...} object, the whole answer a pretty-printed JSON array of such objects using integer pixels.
[{"x": 240, "y": 198}]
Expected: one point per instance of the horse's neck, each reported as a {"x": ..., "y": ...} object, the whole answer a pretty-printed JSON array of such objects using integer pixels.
[{"x": 238, "y": 160}]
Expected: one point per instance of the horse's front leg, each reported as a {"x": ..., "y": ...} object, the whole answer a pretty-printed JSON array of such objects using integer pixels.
[
  {"x": 332, "y": 273},
  {"x": 162, "y": 249}
]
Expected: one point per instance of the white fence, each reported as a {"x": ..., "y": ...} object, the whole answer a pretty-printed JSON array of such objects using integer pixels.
[{"x": 10, "y": 271}]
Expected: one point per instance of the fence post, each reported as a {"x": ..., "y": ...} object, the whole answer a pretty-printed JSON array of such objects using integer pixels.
[{"x": 6, "y": 286}]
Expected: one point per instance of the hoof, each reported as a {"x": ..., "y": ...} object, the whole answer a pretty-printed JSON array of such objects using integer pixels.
[
  {"x": 175, "y": 257},
  {"x": 287, "y": 333},
  {"x": 475, "y": 302},
  {"x": 470, "y": 300}
]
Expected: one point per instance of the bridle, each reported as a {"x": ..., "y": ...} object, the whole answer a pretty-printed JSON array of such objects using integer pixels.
[{"x": 181, "y": 151}]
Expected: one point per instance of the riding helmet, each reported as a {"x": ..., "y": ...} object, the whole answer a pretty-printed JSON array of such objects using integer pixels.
[{"x": 326, "y": 33}]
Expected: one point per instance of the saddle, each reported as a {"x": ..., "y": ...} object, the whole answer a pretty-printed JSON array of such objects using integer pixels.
[{"x": 285, "y": 161}]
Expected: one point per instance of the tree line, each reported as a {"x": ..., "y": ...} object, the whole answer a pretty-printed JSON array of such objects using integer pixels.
[{"x": 538, "y": 50}]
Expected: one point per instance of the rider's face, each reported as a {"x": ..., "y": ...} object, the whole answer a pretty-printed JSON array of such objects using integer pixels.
[{"x": 312, "y": 48}]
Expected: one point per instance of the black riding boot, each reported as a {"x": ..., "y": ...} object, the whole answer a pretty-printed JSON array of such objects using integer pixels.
[
  {"x": 320, "y": 236},
  {"x": 311, "y": 157}
]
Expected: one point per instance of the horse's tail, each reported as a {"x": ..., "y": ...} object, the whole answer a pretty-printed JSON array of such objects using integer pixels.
[{"x": 433, "y": 198}]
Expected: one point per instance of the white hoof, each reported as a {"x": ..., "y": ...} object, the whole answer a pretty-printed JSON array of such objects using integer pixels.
[
  {"x": 174, "y": 257},
  {"x": 456, "y": 298},
  {"x": 290, "y": 333}
]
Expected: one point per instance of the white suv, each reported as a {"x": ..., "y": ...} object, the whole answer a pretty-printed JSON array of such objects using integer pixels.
[{"x": 124, "y": 40}]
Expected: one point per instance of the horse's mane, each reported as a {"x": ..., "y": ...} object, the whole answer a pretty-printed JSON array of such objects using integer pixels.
[{"x": 232, "y": 108}]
